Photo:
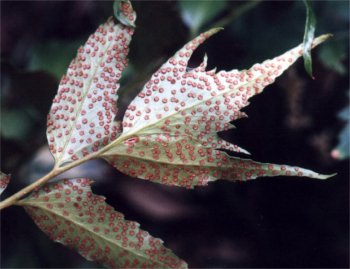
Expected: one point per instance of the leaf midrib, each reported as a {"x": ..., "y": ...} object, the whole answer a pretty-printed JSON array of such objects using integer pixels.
[
  {"x": 220, "y": 93},
  {"x": 24, "y": 203},
  {"x": 81, "y": 104},
  {"x": 175, "y": 163},
  {"x": 189, "y": 107}
]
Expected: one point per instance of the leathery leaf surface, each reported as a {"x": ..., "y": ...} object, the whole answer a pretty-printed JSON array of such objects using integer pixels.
[
  {"x": 81, "y": 119},
  {"x": 70, "y": 213},
  {"x": 170, "y": 129}
]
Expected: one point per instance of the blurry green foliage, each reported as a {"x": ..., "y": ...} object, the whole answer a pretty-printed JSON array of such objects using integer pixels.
[
  {"x": 53, "y": 56},
  {"x": 335, "y": 19},
  {"x": 196, "y": 15},
  {"x": 333, "y": 55},
  {"x": 309, "y": 33},
  {"x": 342, "y": 149},
  {"x": 25, "y": 100},
  {"x": 159, "y": 33},
  {"x": 18, "y": 123}
]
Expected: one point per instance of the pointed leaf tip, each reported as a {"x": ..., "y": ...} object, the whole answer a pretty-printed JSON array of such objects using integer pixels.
[
  {"x": 124, "y": 12},
  {"x": 213, "y": 31},
  {"x": 320, "y": 39},
  {"x": 325, "y": 177}
]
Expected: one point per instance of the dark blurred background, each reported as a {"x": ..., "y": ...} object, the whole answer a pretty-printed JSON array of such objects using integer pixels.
[{"x": 270, "y": 222}]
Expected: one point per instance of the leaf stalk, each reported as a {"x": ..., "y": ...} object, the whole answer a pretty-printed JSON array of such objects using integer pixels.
[{"x": 38, "y": 183}]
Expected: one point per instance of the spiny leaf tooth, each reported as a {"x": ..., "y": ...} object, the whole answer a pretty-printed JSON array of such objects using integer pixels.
[
  {"x": 186, "y": 52},
  {"x": 222, "y": 144},
  {"x": 212, "y": 72},
  {"x": 203, "y": 65}
]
